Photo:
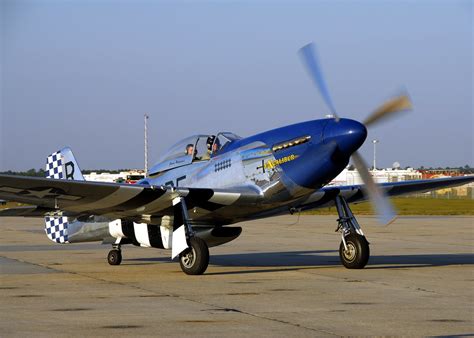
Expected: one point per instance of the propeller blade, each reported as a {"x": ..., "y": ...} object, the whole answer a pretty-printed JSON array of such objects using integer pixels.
[
  {"x": 310, "y": 60},
  {"x": 383, "y": 207},
  {"x": 389, "y": 108}
]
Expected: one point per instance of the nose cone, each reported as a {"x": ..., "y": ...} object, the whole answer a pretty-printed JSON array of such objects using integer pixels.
[{"x": 349, "y": 135}]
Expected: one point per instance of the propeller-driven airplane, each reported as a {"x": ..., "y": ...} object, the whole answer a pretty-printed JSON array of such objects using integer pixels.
[{"x": 205, "y": 183}]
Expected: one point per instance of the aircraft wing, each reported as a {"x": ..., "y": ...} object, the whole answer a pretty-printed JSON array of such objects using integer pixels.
[
  {"x": 111, "y": 199},
  {"x": 354, "y": 193}
]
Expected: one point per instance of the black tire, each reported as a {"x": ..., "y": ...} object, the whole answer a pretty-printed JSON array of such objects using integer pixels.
[
  {"x": 358, "y": 253},
  {"x": 194, "y": 260},
  {"x": 114, "y": 257}
]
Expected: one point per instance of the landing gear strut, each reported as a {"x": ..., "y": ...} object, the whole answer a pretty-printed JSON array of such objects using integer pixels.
[
  {"x": 354, "y": 249},
  {"x": 193, "y": 260}
]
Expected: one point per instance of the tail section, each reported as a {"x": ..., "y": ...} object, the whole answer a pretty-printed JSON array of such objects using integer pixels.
[
  {"x": 60, "y": 165},
  {"x": 63, "y": 165}
]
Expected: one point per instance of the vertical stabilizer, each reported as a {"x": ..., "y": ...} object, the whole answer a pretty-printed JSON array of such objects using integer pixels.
[{"x": 63, "y": 165}]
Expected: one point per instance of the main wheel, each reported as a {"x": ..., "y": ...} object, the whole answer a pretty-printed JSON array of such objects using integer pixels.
[
  {"x": 114, "y": 257},
  {"x": 194, "y": 260},
  {"x": 357, "y": 254}
]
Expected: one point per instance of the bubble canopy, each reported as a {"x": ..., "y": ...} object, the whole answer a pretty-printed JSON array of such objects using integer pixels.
[{"x": 180, "y": 154}]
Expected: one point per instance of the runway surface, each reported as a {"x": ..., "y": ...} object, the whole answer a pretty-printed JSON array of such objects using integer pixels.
[{"x": 277, "y": 279}]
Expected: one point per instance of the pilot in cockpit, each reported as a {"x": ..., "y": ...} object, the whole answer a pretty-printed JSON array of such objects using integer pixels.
[
  {"x": 190, "y": 149},
  {"x": 216, "y": 146},
  {"x": 209, "y": 143}
]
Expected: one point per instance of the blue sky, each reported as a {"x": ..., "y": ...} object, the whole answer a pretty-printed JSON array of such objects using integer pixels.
[{"x": 83, "y": 73}]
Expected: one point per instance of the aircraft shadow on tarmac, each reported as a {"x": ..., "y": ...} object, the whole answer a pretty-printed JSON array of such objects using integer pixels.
[{"x": 294, "y": 260}]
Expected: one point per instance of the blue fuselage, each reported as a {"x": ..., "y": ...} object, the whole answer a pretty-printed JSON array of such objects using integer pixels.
[{"x": 282, "y": 164}]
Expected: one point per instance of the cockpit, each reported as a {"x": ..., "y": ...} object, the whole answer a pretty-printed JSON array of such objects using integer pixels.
[{"x": 194, "y": 149}]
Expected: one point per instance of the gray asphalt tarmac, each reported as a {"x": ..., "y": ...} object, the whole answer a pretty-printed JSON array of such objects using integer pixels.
[{"x": 277, "y": 279}]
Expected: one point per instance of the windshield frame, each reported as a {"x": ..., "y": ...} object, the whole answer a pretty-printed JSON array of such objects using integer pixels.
[{"x": 229, "y": 136}]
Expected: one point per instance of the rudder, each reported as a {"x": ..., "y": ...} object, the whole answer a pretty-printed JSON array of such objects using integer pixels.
[{"x": 63, "y": 165}]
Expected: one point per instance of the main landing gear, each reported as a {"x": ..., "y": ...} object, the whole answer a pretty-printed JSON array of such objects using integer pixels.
[
  {"x": 193, "y": 260},
  {"x": 115, "y": 255},
  {"x": 354, "y": 249}
]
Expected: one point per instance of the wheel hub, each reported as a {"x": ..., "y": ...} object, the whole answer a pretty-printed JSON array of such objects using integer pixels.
[
  {"x": 350, "y": 252},
  {"x": 189, "y": 258}
]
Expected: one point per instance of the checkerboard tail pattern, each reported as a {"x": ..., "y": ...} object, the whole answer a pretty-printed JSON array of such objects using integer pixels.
[
  {"x": 56, "y": 228},
  {"x": 54, "y": 166}
]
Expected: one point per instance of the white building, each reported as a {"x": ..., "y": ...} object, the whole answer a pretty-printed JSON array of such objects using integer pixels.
[
  {"x": 102, "y": 177},
  {"x": 124, "y": 176},
  {"x": 350, "y": 177}
]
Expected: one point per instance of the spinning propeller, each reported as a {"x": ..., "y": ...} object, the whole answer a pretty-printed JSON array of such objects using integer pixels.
[{"x": 383, "y": 207}]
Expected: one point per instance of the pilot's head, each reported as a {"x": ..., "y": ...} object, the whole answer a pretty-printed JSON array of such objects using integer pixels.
[
  {"x": 209, "y": 142},
  {"x": 216, "y": 146},
  {"x": 189, "y": 149}
]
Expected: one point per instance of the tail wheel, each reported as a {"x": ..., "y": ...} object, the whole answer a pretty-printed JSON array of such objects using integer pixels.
[
  {"x": 357, "y": 253},
  {"x": 114, "y": 257},
  {"x": 195, "y": 259}
]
